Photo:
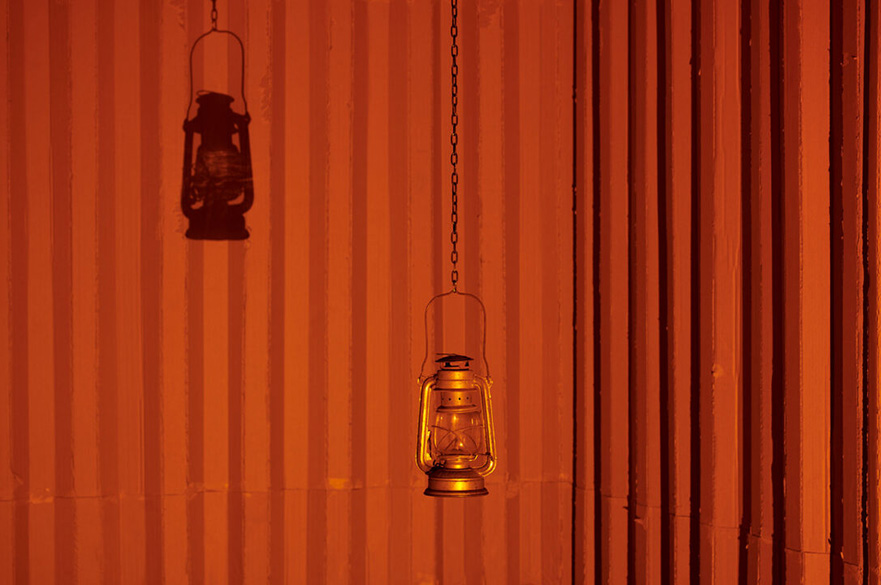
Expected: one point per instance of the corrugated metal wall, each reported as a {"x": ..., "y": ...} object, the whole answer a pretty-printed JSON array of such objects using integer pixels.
[
  {"x": 727, "y": 349},
  {"x": 195, "y": 412},
  {"x": 192, "y": 412}
]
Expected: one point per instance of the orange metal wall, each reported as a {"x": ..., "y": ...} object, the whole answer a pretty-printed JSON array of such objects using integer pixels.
[
  {"x": 727, "y": 385},
  {"x": 193, "y": 412},
  {"x": 221, "y": 413}
]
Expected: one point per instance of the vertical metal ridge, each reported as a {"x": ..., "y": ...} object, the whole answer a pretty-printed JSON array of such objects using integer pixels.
[
  {"x": 613, "y": 287},
  {"x": 108, "y": 381},
  {"x": 806, "y": 289},
  {"x": 151, "y": 246},
  {"x": 400, "y": 292},
  {"x": 65, "y": 521},
  {"x": 316, "y": 511},
  {"x": 758, "y": 333},
  {"x": 747, "y": 264},
  {"x": 644, "y": 344},
  {"x": 581, "y": 518},
  {"x": 695, "y": 294},
  {"x": 847, "y": 298},
  {"x": 678, "y": 186}
]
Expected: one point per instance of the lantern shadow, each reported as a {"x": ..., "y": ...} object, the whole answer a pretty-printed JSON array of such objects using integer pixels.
[{"x": 217, "y": 185}]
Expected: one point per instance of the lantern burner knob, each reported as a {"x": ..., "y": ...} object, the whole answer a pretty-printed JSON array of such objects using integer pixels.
[{"x": 453, "y": 361}]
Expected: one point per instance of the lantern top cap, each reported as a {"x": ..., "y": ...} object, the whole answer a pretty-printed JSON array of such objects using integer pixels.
[{"x": 453, "y": 361}]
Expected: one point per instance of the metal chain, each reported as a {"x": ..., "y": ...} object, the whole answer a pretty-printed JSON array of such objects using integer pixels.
[
  {"x": 214, "y": 14},
  {"x": 454, "y": 141}
]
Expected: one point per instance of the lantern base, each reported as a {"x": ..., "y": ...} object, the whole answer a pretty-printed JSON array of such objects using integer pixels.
[
  {"x": 454, "y": 483},
  {"x": 212, "y": 224}
]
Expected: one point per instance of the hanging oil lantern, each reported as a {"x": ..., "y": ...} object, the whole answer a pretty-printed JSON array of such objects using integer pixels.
[
  {"x": 217, "y": 186},
  {"x": 455, "y": 442}
]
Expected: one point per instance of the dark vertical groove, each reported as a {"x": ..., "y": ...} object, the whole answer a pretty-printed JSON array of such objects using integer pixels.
[
  {"x": 195, "y": 414},
  {"x": 577, "y": 515},
  {"x": 316, "y": 511},
  {"x": 694, "y": 536},
  {"x": 836, "y": 296},
  {"x": 746, "y": 285},
  {"x": 18, "y": 226},
  {"x": 632, "y": 310},
  {"x": 195, "y": 286},
  {"x": 277, "y": 308},
  {"x": 236, "y": 351},
  {"x": 62, "y": 286},
  {"x": 400, "y": 355},
  {"x": 511, "y": 154},
  {"x": 869, "y": 101},
  {"x": 360, "y": 105},
  {"x": 778, "y": 301},
  {"x": 105, "y": 221},
  {"x": 597, "y": 306},
  {"x": 664, "y": 285},
  {"x": 151, "y": 287}
]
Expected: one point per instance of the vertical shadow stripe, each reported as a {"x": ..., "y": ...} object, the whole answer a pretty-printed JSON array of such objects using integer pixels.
[
  {"x": 400, "y": 390},
  {"x": 151, "y": 287},
  {"x": 18, "y": 221},
  {"x": 665, "y": 293},
  {"x": 195, "y": 285},
  {"x": 316, "y": 514},
  {"x": 778, "y": 382},
  {"x": 277, "y": 308}
]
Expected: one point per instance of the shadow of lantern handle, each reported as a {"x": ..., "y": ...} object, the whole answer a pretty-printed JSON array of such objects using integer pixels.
[{"x": 193, "y": 50}]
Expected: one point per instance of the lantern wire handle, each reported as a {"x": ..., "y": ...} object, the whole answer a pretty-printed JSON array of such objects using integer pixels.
[
  {"x": 454, "y": 190},
  {"x": 214, "y": 29},
  {"x": 483, "y": 343}
]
